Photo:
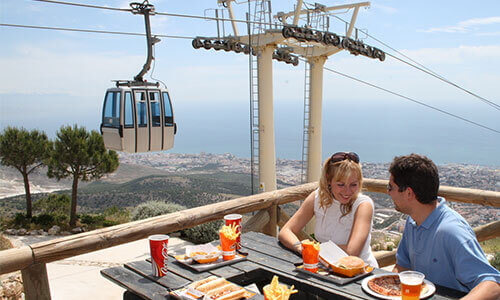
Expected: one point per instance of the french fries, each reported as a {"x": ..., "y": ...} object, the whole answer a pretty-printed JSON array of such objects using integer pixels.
[
  {"x": 278, "y": 291},
  {"x": 309, "y": 242},
  {"x": 229, "y": 231}
]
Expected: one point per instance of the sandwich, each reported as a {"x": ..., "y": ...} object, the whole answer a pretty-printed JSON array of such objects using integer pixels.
[
  {"x": 204, "y": 288},
  {"x": 198, "y": 283},
  {"x": 350, "y": 262},
  {"x": 226, "y": 292}
]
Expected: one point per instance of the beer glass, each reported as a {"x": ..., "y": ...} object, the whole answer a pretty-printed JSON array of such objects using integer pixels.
[{"x": 411, "y": 284}]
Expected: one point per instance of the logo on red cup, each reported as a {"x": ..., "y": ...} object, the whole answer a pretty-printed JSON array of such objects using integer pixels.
[
  {"x": 159, "y": 255},
  {"x": 234, "y": 219}
]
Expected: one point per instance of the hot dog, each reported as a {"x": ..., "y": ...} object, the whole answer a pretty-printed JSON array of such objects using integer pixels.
[
  {"x": 222, "y": 290},
  {"x": 211, "y": 285},
  {"x": 238, "y": 294},
  {"x": 196, "y": 284}
]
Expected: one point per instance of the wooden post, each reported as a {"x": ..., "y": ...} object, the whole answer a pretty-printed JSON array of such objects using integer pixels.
[
  {"x": 257, "y": 222},
  {"x": 271, "y": 227},
  {"x": 36, "y": 282}
]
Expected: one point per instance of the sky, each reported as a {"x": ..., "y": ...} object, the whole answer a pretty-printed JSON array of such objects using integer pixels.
[{"x": 52, "y": 78}]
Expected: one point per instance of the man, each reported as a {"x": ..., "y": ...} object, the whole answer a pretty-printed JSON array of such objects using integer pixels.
[{"x": 436, "y": 240}]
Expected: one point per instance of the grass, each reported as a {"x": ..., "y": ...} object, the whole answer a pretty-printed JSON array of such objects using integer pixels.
[{"x": 491, "y": 246}]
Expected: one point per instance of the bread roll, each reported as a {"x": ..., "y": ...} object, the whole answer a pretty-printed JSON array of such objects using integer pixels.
[
  {"x": 211, "y": 285},
  {"x": 351, "y": 262}
]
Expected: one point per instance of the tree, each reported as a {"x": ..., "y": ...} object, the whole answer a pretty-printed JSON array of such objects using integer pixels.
[
  {"x": 24, "y": 150},
  {"x": 79, "y": 154}
]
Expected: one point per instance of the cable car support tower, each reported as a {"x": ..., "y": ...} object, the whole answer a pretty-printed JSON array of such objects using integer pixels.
[{"x": 286, "y": 42}]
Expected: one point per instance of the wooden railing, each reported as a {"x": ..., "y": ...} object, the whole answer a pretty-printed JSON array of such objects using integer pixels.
[{"x": 32, "y": 260}]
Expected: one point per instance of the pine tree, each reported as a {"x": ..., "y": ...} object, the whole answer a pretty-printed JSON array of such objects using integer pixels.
[
  {"x": 24, "y": 150},
  {"x": 79, "y": 154}
]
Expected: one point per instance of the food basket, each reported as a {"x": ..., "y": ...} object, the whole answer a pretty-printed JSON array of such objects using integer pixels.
[{"x": 203, "y": 254}]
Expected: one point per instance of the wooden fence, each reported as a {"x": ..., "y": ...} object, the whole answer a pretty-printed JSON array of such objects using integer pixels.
[{"x": 32, "y": 260}]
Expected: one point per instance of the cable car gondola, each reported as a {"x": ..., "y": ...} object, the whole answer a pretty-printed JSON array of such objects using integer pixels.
[{"x": 137, "y": 115}]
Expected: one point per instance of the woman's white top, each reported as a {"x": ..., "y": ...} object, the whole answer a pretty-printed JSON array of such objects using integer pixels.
[{"x": 331, "y": 227}]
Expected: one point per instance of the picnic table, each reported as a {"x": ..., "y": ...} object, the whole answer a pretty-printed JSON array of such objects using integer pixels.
[{"x": 266, "y": 258}]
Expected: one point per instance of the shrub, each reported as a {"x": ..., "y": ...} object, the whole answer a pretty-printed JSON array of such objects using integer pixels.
[
  {"x": 203, "y": 233},
  {"x": 44, "y": 220},
  {"x": 117, "y": 215},
  {"x": 92, "y": 219},
  {"x": 20, "y": 220},
  {"x": 200, "y": 234},
  {"x": 54, "y": 204},
  {"x": 495, "y": 262},
  {"x": 154, "y": 208}
]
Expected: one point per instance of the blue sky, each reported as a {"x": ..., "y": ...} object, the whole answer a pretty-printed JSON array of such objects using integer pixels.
[{"x": 53, "y": 78}]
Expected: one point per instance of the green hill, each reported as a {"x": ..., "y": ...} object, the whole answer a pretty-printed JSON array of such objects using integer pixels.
[{"x": 190, "y": 190}]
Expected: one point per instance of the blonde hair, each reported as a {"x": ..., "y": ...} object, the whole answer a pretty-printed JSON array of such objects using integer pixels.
[{"x": 338, "y": 171}]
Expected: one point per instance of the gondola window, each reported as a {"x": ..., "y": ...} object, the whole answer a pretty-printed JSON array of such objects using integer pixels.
[
  {"x": 129, "y": 113},
  {"x": 112, "y": 110},
  {"x": 167, "y": 108},
  {"x": 154, "y": 98},
  {"x": 142, "y": 109}
]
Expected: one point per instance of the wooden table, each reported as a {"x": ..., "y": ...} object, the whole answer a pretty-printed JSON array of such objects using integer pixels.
[{"x": 266, "y": 257}]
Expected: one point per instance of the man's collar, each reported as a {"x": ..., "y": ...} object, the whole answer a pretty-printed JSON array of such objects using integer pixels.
[{"x": 433, "y": 216}]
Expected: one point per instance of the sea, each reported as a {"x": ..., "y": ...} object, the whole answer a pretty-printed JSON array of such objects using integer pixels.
[{"x": 378, "y": 130}]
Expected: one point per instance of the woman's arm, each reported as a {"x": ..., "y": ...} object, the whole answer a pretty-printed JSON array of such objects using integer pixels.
[
  {"x": 360, "y": 229},
  {"x": 288, "y": 233}
]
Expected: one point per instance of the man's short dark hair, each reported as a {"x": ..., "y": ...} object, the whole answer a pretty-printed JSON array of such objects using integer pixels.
[{"x": 419, "y": 173}]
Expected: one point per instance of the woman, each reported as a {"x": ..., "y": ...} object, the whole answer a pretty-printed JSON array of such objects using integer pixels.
[{"x": 343, "y": 214}]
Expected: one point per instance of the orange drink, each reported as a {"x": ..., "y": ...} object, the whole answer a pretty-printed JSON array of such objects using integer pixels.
[
  {"x": 411, "y": 284},
  {"x": 310, "y": 255}
]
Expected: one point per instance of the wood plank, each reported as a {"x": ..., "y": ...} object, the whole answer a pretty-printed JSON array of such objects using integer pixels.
[
  {"x": 36, "y": 282},
  {"x": 136, "y": 283},
  {"x": 270, "y": 246},
  {"x": 171, "y": 280}
]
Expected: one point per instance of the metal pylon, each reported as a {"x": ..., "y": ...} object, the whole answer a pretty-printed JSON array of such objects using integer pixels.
[{"x": 261, "y": 10}]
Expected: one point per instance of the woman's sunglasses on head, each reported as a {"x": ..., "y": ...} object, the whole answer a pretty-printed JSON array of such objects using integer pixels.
[{"x": 340, "y": 156}]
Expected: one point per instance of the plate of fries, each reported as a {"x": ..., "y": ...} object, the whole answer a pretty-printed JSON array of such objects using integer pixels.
[{"x": 278, "y": 291}]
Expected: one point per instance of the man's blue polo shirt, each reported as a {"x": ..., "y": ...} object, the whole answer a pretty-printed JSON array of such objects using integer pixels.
[{"x": 446, "y": 250}]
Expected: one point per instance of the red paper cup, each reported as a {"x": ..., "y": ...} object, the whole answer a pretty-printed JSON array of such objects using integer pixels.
[
  {"x": 234, "y": 219},
  {"x": 159, "y": 257},
  {"x": 228, "y": 247}
]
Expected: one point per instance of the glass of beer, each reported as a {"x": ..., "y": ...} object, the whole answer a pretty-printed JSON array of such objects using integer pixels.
[{"x": 411, "y": 284}]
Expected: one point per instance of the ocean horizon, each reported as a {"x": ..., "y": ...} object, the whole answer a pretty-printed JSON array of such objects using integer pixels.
[{"x": 376, "y": 130}]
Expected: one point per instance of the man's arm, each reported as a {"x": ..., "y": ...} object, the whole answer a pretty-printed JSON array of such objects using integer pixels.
[
  {"x": 486, "y": 290},
  {"x": 398, "y": 269}
]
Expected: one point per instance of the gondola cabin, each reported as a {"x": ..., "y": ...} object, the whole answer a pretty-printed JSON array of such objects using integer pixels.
[{"x": 138, "y": 118}]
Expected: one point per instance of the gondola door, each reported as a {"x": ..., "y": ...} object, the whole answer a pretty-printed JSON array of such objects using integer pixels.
[
  {"x": 156, "y": 121},
  {"x": 128, "y": 140},
  {"x": 141, "y": 106}
]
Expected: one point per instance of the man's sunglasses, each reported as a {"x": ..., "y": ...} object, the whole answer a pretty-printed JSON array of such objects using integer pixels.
[{"x": 340, "y": 156}]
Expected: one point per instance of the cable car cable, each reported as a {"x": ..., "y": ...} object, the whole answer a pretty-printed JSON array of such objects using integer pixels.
[
  {"x": 331, "y": 70},
  {"x": 410, "y": 99},
  {"x": 93, "y": 31},
  {"x": 426, "y": 70},
  {"x": 85, "y": 5}
]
